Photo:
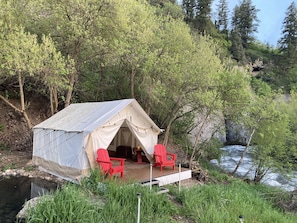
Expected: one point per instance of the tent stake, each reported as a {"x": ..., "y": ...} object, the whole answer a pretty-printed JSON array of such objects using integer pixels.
[
  {"x": 151, "y": 175},
  {"x": 138, "y": 210},
  {"x": 179, "y": 171}
]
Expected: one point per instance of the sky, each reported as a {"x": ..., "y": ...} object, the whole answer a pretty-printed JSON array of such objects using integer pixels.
[{"x": 271, "y": 16}]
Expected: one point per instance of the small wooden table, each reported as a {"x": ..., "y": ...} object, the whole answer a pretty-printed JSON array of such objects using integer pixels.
[{"x": 138, "y": 152}]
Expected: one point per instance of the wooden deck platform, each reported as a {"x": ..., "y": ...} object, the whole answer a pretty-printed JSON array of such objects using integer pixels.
[{"x": 141, "y": 172}]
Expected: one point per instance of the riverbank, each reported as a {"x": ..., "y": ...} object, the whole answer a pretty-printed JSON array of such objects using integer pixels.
[{"x": 20, "y": 164}]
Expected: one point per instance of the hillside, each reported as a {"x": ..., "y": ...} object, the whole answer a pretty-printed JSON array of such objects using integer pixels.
[{"x": 15, "y": 136}]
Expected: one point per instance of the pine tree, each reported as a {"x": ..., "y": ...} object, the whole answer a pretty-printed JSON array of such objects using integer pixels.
[
  {"x": 222, "y": 17},
  {"x": 189, "y": 7},
  {"x": 236, "y": 48},
  {"x": 245, "y": 21},
  {"x": 198, "y": 14},
  {"x": 202, "y": 21},
  {"x": 288, "y": 42}
]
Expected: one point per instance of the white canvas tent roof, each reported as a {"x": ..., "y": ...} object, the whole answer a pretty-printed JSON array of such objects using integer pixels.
[{"x": 66, "y": 143}]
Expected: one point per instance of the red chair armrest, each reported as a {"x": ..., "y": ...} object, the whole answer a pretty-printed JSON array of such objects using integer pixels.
[
  {"x": 100, "y": 161},
  {"x": 122, "y": 160}
]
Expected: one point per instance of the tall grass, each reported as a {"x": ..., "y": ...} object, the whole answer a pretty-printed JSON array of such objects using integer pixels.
[
  {"x": 220, "y": 203},
  {"x": 111, "y": 201},
  {"x": 69, "y": 204},
  {"x": 103, "y": 201}
]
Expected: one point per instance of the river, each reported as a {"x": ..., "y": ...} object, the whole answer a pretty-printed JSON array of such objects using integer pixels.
[{"x": 230, "y": 158}]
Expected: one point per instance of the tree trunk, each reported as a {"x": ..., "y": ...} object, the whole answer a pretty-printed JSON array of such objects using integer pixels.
[
  {"x": 70, "y": 90},
  {"x": 148, "y": 101},
  {"x": 22, "y": 98},
  {"x": 244, "y": 153},
  {"x": 172, "y": 117},
  {"x": 73, "y": 76},
  {"x": 132, "y": 83},
  {"x": 167, "y": 131},
  {"x": 197, "y": 139},
  {"x": 51, "y": 100},
  {"x": 56, "y": 100},
  {"x": 17, "y": 110}
]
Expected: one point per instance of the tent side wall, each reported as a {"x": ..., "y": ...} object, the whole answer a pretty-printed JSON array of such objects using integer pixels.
[{"x": 60, "y": 153}]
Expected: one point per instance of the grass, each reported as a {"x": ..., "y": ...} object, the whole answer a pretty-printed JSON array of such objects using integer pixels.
[
  {"x": 225, "y": 203},
  {"x": 8, "y": 167},
  {"x": 103, "y": 200},
  {"x": 4, "y": 148}
]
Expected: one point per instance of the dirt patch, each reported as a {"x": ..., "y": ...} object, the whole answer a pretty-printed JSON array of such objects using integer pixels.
[{"x": 16, "y": 138}]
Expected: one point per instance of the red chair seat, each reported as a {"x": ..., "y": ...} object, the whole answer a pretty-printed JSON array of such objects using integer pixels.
[
  {"x": 162, "y": 158},
  {"x": 106, "y": 165}
]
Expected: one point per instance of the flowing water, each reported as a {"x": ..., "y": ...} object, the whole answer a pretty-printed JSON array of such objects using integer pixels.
[
  {"x": 14, "y": 191},
  {"x": 231, "y": 157}
]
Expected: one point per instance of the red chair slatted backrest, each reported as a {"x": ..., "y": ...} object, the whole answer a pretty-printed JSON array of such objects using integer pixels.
[
  {"x": 160, "y": 151},
  {"x": 103, "y": 159}
]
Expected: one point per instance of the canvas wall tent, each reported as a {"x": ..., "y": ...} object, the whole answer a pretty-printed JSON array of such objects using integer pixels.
[{"x": 65, "y": 144}]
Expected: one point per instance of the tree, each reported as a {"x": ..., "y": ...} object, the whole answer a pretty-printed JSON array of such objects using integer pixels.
[
  {"x": 202, "y": 21},
  {"x": 136, "y": 35},
  {"x": 288, "y": 105},
  {"x": 74, "y": 26},
  {"x": 20, "y": 58},
  {"x": 236, "y": 49},
  {"x": 245, "y": 21},
  {"x": 54, "y": 71},
  {"x": 229, "y": 95},
  {"x": 222, "y": 16},
  {"x": 268, "y": 132},
  {"x": 288, "y": 46},
  {"x": 189, "y": 6},
  {"x": 198, "y": 13},
  {"x": 270, "y": 148}
]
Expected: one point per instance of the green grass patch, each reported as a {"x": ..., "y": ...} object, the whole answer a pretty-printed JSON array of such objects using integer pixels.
[
  {"x": 225, "y": 203},
  {"x": 4, "y": 148},
  {"x": 103, "y": 200},
  {"x": 100, "y": 199},
  {"x": 29, "y": 168},
  {"x": 8, "y": 167}
]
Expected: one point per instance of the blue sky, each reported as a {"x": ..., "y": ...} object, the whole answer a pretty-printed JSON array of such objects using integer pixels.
[{"x": 271, "y": 16}]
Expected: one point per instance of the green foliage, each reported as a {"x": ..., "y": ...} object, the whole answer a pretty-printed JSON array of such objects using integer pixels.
[
  {"x": 224, "y": 203},
  {"x": 245, "y": 21},
  {"x": 288, "y": 41},
  {"x": 116, "y": 202},
  {"x": 271, "y": 132},
  {"x": 212, "y": 149},
  {"x": 260, "y": 87},
  {"x": 69, "y": 204},
  {"x": 29, "y": 168},
  {"x": 262, "y": 52},
  {"x": 1, "y": 127},
  {"x": 4, "y": 148},
  {"x": 222, "y": 17},
  {"x": 119, "y": 202},
  {"x": 288, "y": 106},
  {"x": 8, "y": 167}
]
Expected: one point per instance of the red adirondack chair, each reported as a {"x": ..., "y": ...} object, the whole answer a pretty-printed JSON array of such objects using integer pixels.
[
  {"x": 105, "y": 163},
  {"x": 162, "y": 158}
]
